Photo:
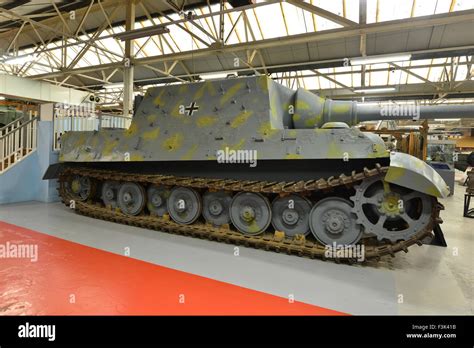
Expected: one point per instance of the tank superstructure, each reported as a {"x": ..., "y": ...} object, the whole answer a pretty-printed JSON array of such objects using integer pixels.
[{"x": 304, "y": 170}]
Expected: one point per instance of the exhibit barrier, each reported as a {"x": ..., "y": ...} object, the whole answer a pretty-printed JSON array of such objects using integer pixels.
[{"x": 18, "y": 139}]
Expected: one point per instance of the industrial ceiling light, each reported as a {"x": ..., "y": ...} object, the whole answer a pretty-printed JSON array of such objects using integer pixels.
[
  {"x": 375, "y": 90},
  {"x": 447, "y": 119},
  {"x": 139, "y": 33},
  {"x": 388, "y": 58},
  {"x": 114, "y": 85},
  {"x": 219, "y": 75},
  {"x": 19, "y": 60}
]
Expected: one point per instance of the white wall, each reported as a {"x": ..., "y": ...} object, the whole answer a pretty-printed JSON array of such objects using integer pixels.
[{"x": 21, "y": 87}]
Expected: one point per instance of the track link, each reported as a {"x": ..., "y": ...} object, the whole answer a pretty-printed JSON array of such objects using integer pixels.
[{"x": 298, "y": 245}]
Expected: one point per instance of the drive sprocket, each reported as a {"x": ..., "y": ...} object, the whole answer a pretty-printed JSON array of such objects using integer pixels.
[{"x": 389, "y": 211}]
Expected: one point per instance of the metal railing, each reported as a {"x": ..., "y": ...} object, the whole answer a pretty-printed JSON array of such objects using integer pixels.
[
  {"x": 18, "y": 139},
  {"x": 114, "y": 121},
  {"x": 73, "y": 119},
  {"x": 11, "y": 126}
]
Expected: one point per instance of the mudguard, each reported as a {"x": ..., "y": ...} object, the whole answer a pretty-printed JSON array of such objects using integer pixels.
[
  {"x": 53, "y": 171},
  {"x": 411, "y": 172}
]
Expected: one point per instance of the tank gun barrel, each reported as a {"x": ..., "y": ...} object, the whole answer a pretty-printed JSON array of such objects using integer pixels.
[
  {"x": 312, "y": 111},
  {"x": 393, "y": 111}
]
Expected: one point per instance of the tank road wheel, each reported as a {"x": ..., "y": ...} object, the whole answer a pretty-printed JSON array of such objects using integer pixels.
[
  {"x": 216, "y": 207},
  {"x": 390, "y": 211},
  {"x": 80, "y": 187},
  {"x": 331, "y": 221},
  {"x": 184, "y": 205},
  {"x": 250, "y": 213},
  {"x": 290, "y": 214},
  {"x": 131, "y": 198},
  {"x": 110, "y": 193},
  {"x": 157, "y": 199}
]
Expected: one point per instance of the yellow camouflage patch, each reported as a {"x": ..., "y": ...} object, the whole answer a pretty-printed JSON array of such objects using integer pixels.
[
  {"x": 173, "y": 143},
  {"x": 231, "y": 92},
  {"x": 240, "y": 119},
  {"x": 206, "y": 121},
  {"x": 151, "y": 134}
]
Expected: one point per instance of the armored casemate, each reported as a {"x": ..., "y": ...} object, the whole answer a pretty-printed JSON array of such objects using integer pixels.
[{"x": 248, "y": 160}]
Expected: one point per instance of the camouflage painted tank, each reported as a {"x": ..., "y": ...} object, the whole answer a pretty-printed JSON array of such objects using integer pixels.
[{"x": 252, "y": 157}]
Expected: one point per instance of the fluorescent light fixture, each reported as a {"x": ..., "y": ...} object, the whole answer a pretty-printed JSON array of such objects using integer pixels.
[
  {"x": 18, "y": 60},
  {"x": 374, "y": 90},
  {"x": 212, "y": 76},
  {"x": 447, "y": 119},
  {"x": 110, "y": 104},
  {"x": 139, "y": 33},
  {"x": 2, "y": 97},
  {"x": 387, "y": 58},
  {"x": 114, "y": 85}
]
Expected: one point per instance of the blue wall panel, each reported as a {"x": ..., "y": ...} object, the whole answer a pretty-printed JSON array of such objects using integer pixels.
[{"x": 23, "y": 181}]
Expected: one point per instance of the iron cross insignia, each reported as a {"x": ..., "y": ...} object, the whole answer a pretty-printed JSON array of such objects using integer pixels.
[{"x": 191, "y": 108}]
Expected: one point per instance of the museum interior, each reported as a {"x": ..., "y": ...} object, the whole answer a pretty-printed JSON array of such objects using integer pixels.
[{"x": 238, "y": 157}]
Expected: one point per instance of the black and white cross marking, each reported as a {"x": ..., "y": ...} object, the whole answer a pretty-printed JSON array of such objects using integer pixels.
[{"x": 191, "y": 108}]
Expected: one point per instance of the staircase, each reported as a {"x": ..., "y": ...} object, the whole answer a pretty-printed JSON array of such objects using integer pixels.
[{"x": 17, "y": 140}]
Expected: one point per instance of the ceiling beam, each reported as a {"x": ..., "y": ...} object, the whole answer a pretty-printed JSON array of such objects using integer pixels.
[
  {"x": 323, "y": 13},
  {"x": 395, "y": 25}
]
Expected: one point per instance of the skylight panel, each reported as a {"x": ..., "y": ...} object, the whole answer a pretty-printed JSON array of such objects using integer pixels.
[
  {"x": 371, "y": 14},
  {"x": 442, "y": 6},
  {"x": 423, "y": 72},
  {"x": 421, "y": 62},
  {"x": 271, "y": 21},
  {"x": 378, "y": 78},
  {"x": 391, "y": 10},
  {"x": 424, "y": 8},
  {"x": 356, "y": 80},
  {"x": 462, "y": 5},
  {"x": 461, "y": 74},
  {"x": 311, "y": 83},
  {"x": 294, "y": 19},
  {"x": 324, "y": 83},
  {"x": 435, "y": 74},
  {"x": 91, "y": 58},
  {"x": 254, "y": 25},
  {"x": 344, "y": 79}
]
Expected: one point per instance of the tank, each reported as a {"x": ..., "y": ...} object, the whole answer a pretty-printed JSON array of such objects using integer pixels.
[
  {"x": 249, "y": 161},
  {"x": 8, "y": 114}
]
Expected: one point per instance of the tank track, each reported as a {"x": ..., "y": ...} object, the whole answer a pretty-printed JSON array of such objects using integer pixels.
[{"x": 270, "y": 241}]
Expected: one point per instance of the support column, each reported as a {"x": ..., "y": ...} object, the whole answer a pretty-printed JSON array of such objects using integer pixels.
[
  {"x": 363, "y": 38},
  {"x": 128, "y": 61}
]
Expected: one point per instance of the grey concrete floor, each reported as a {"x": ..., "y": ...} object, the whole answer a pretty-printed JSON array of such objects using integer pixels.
[{"x": 427, "y": 280}]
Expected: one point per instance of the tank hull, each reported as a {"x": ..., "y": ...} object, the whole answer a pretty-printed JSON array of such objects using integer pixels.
[{"x": 270, "y": 170}]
